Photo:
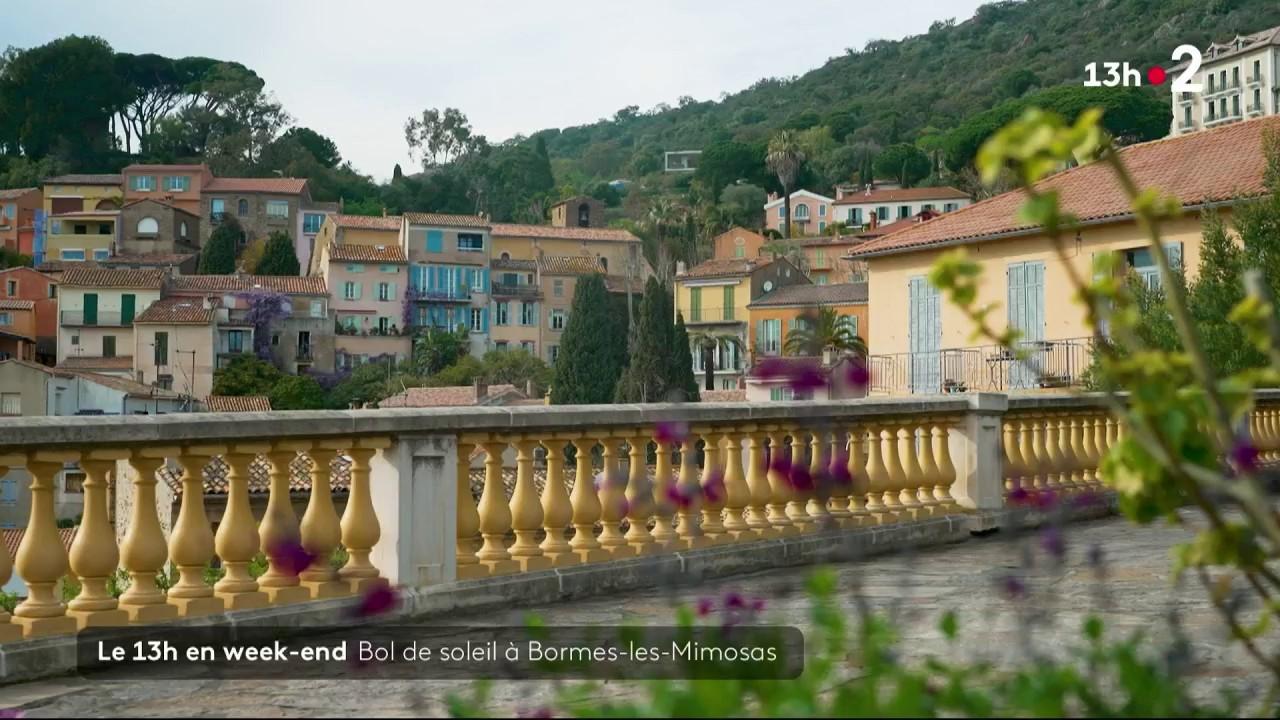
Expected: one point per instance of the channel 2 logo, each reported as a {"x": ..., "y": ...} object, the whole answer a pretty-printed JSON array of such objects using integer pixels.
[{"x": 1121, "y": 74}]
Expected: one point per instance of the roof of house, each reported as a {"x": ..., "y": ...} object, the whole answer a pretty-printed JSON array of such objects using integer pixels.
[
  {"x": 1239, "y": 44},
  {"x": 722, "y": 395},
  {"x": 32, "y": 365},
  {"x": 124, "y": 385},
  {"x": 837, "y": 294},
  {"x": 725, "y": 267},
  {"x": 12, "y": 538},
  {"x": 873, "y": 232},
  {"x": 562, "y": 233},
  {"x": 368, "y": 222},
  {"x": 446, "y": 219},
  {"x": 176, "y": 311},
  {"x": 285, "y": 284},
  {"x": 623, "y": 283},
  {"x": 80, "y": 362},
  {"x": 278, "y": 185},
  {"x": 367, "y": 253},
  {"x": 94, "y": 276},
  {"x": 513, "y": 264},
  {"x": 160, "y": 166},
  {"x": 84, "y": 179},
  {"x": 149, "y": 259},
  {"x": 238, "y": 403},
  {"x": 86, "y": 214},
  {"x": 60, "y": 266},
  {"x": 453, "y": 396},
  {"x": 1218, "y": 165},
  {"x": 12, "y": 193},
  {"x": 162, "y": 203},
  {"x": 802, "y": 193},
  {"x": 828, "y": 240},
  {"x": 215, "y": 472},
  {"x": 569, "y": 264},
  {"x": 891, "y": 195},
  {"x": 14, "y": 304}
]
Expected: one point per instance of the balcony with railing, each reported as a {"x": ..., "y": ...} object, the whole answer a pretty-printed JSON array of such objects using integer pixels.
[
  {"x": 515, "y": 290},
  {"x": 491, "y": 496},
  {"x": 1038, "y": 365},
  {"x": 79, "y": 318},
  {"x": 1254, "y": 79},
  {"x": 1253, "y": 110},
  {"x": 709, "y": 315},
  {"x": 462, "y": 293}
]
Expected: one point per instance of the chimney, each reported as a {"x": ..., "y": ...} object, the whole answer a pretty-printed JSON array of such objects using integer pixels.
[
  {"x": 868, "y": 191},
  {"x": 875, "y": 221},
  {"x": 680, "y": 267},
  {"x": 481, "y": 388},
  {"x": 828, "y": 356},
  {"x": 528, "y": 388}
]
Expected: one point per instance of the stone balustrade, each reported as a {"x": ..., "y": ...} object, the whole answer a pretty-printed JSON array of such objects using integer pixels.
[{"x": 562, "y": 487}]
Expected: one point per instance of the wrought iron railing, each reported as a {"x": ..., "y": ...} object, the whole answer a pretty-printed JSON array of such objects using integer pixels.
[{"x": 1036, "y": 365}]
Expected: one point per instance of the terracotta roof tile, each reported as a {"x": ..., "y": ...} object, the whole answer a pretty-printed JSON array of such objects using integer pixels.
[
  {"x": 93, "y": 276},
  {"x": 82, "y": 179},
  {"x": 562, "y": 233},
  {"x": 13, "y": 538},
  {"x": 837, "y": 294},
  {"x": 156, "y": 167},
  {"x": 12, "y": 193},
  {"x": 214, "y": 474},
  {"x": 12, "y": 304},
  {"x": 59, "y": 266},
  {"x": 891, "y": 195},
  {"x": 570, "y": 264},
  {"x": 149, "y": 259},
  {"x": 724, "y": 267},
  {"x": 278, "y": 185},
  {"x": 161, "y": 203},
  {"x": 125, "y": 385},
  {"x": 454, "y": 396},
  {"x": 446, "y": 219},
  {"x": 176, "y": 311},
  {"x": 513, "y": 264},
  {"x": 1217, "y": 165},
  {"x": 367, "y": 222},
  {"x": 367, "y": 253},
  {"x": 80, "y": 362},
  {"x": 238, "y": 403},
  {"x": 286, "y": 284}
]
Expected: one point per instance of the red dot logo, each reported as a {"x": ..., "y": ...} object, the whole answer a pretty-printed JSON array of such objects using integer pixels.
[{"x": 1156, "y": 75}]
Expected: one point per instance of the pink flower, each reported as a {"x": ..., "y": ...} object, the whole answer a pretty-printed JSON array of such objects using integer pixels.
[
  {"x": 839, "y": 469},
  {"x": 1244, "y": 456},
  {"x": 713, "y": 486},
  {"x": 856, "y": 374},
  {"x": 380, "y": 599},
  {"x": 672, "y": 432},
  {"x": 291, "y": 557},
  {"x": 734, "y": 601},
  {"x": 1020, "y": 496},
  {"x": 806, "y": 377},
  {"x": 771, "y": 367},
  {"x": 799, "y": 478},
  {"x": 781, "y": 461},
  {"x": 681, "y": 497},
  {"x": 705, "y": 606}
]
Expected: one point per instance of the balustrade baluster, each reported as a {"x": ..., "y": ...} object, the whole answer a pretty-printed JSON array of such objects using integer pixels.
[
  {"x": 360, "y": 528},
  {"x": 664, "y": 531},
  {"x": 1013, "y": 464},
  {"x": 1069, "y": 443},
  {"x": 321, "y": 528},
  {"x": 690, "y": 492},
  {"x": 1100, "y": 442},
  {"x": 758, "y": 483},
  {"x": 526, "y": 511},
  {"x": 639, "y": 497},
  {"x": 495, "y": 513},
  {"x": 713, "y": 487},
  {"x": 279, "y": 534},
  {"x": 737, "y": 494},
  {"x": 557, "y": 510},
  {"x": 859, "y": 483},
  {"x": 930, "y": 475},
  {"x": 612, "y": 491},
  {"x": 912, "y": 475},
  {"x": 878, "y": 480},
  {"x": 779, "y": 485},
  {"x": 236, "y": 541},
  {"x": 42, "y": 559},
  {"x": 941, "y": 436},
  {"x": 144, "y": 552},
  {"x": 816, "y": 507},
  {"x": 9, "y": 630},
  {"x": 467, "y": 517},
  {"x": 838, "y": 481},
  {"x": 1054, "y": 461},
  {"x": 1089, "y": 452},
  {"x": 94, "y": 555},
  {"x": 586, "y": 504},
  {"x": 799, "y": 497},
  {"x": 191, "y": 542}
]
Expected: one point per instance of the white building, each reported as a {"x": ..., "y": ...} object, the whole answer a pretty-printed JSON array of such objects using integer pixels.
[
  {"x": 96, "y": 309},
  {"x": 1238, "y": 81},
  {"x": 880, "y": 203}
]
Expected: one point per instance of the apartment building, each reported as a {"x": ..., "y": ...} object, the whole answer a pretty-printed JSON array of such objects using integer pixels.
[
  {"x": 619, "y": 251},
  {"x": 1239, "y": 80},
  {"x": 517, "y": 305},
  {"x": 772, "y": 317},
  {"x": 177, "y": 344},
  {"x": 737, "y": 242},
  {"x": 810, "y": 213},
  {"x": 19, "y": 208},
  {"x": 340, "y": 229},
  {"x": 96, "y": 310},
  {"x": 367, "y": 285},
  {"x": 81, "y": 218},
  {"x": 25, "y": 285},
  {"x": 883, "y": 203},
  {"x": 448, "y": 258}
]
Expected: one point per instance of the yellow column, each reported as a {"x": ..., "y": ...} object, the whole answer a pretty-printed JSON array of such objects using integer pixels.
[
  {"x": 237, "y": 538},
  {"x": 664, "y": 532},
  {"x": 930, "y": 475},
  {"x": 713, "y": 487},
  {"x": 639, "y": 496},
  {"x": 779, "y": 489},
  {"x": 838, "y": 487},
  {"x": 495, "y": 513},
  {"x": 612, "y": 500},
  {"x": 878, "y": 480},
  {"x": 797, "y": 507},
  {"x": 890, "y": 447},
  {"x": 557, "y": 511},
  {"x": 278, "y": 533},
  {"x": 737, "y": 494},
  {"x": 586, "y": 505},
  {"x": 1070, "y": 461},
  {"x": 1113, "y": 432},
  {"x": 913, "y": 476},
  {"x": 360, "y": 527},
  {"x": 941, "y": 433},
  {"x": 191, "y": 542},
  {"x": 816, "y": 507},
  {"x": 467, "y": 517},
  {"x": 41, "y": 559},
  {"x": 1079, "y": 455},
  {"x": 526, "y": 511},
  {"x": 859, "y": 483},
  {"x": 687, "y": 528},
  {"x": 143, "y": 552},
  {"x": 758, "y": 483},
  {"x": 1100, "y": 443},
  {"x": 94, "y": 556},
  {"x": 321, "y": 529},
  {"x": 1043, "y": 464},
  {"x": 9, "y": 630},
  {"x": 1012, "y": 458}
]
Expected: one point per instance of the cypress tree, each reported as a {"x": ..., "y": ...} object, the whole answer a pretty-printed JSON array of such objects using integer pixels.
[
  {"x": 647, "y": 377},
  {"x": 279, "y": 257},
  {"x": 218, "y": 257},
  {"x": 681, "y": 370},
  {"x": 592, "y": 352}
]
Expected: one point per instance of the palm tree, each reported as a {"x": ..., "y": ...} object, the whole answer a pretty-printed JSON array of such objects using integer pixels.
[
  {"x": 824, "y": 330},
  {"x": 661, "y": 220},
  {"x": 708, "y": 341},
  {"x": 785, "y": 157}
]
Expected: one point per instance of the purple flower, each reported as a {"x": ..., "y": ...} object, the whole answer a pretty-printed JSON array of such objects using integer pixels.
[
  {"x": 1052, "y": 542},
  {"x": 1020, "y": 496},
  {"x": 380, "y": 599},
  {"x": 734, "y": 601},
  {"x": 713, "y": 486},
  {"x": 1087, "y": 499},
  {"x": 839, "y": 469},
  {"x": 780, "y": 462},
  {"x": 291, "y": 557},
  {"x": 705, "y": 606},
  {"x": 806, "y": 377},
  {"x": 799, "y": 478},
  {"x": 672, "y": 433},
  {"x": 757, "y": 604},
  {"x": 856, "y": 374},
  {"x": 1013, "y": 587},
  {"x": 681, "y": 497},
  {"x": 1046, "y": 500},
  {"x": 12, "y": 713},
  {"x": 1244, "y": 456},
  {"x": 771, "y": 367}
]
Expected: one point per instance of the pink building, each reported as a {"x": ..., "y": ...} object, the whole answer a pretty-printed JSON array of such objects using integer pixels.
[
  {"x": 367, "y": 285},
  {"x": 810, "y": 212}
]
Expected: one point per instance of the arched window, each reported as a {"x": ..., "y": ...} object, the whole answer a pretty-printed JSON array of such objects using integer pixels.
[
  {"x": 802, "y": 212},
  {"x": 506, "y": 256},
  {"x": 182, "y": 229},
  {"x": 242, "y": 207},
  {"x": 148, "y": 226},
  {"x": 584, "y": 215}
]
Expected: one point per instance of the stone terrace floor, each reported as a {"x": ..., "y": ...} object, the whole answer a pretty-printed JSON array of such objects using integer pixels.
[{"x": 1138, "y": 594}]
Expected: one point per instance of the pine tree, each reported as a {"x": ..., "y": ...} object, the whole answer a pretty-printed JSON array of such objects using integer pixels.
[
  {"x": 681, "y": 370},
  {"x": 647, "y": 376},
  {"x": 591, "y": 357},
  {"x": 279, "y": 258},
  {"x": 218, "y": 257}
]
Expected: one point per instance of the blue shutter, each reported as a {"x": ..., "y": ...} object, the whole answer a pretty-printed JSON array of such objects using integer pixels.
[
  {"x": 435, "y": 241},
  {"x": 484, "y": 320}
]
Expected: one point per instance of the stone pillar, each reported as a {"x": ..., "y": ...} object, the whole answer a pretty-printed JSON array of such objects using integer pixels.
[
  {"x": 414, "y": 485},
  {"x": 977, "y": 453}
]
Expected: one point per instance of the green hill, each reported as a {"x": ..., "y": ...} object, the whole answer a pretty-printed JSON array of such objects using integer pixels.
[{"x": 918, "y": 88}]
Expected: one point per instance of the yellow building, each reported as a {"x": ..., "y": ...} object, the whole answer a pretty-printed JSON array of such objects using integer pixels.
[
  {"x": 339, "y": 229},
  {"x": 713, "y": 296},
  {"x": 82, "y": 217},
  {"x": 618, "y": 250},
  {"x": 920, "y": 343},
  {"x": 517, "y": 317}
]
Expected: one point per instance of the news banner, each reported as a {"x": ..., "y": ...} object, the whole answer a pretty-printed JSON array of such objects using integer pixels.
[{"x": 448, "y": 652}]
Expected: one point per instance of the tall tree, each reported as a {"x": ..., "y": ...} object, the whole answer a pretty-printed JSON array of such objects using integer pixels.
[
  {"x": 218, "y": 257},
  {"x": 155, "y": 88},
  {"x": 647, "y": 377},
  {"x": 590, "y": 360},
  {"x": 324, "y": 150},
  {"x": 280, "y": 257},
  {"x": 438, "y": 137},
  {"x": 710, "y": 341},
  {"x": 823, "y": 329},
  {"x": 903, "y": 162},
  {"x": 785, "y": 157},
  {"x": 683, "y": 385}
]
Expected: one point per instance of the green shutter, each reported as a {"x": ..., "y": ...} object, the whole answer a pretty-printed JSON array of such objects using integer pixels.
[
  {"x": 128, "y": 305},
  {"x": 90, "y": 308},
  {"x": 728, "y": 302},
  {"x": 695, "y": 304}
]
